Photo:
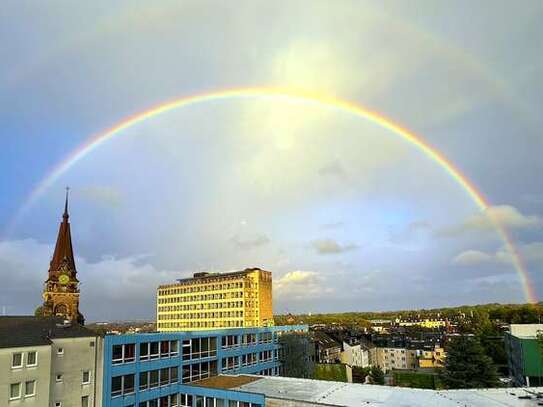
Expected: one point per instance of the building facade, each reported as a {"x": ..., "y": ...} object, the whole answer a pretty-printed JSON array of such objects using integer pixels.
[
  {"x": 45, "y": 362},
  {"x": 356, "y": 355},
  {"x": 61, "y": 290},
  {"x": 216, "y": 300},
  {"x": 165, "y": 369},
  {"x": 524, "y": 354},
  {"x": 394, "y": 358}
]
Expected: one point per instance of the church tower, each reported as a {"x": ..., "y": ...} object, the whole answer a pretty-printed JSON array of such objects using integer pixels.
[{"x": 61, "y": 291}]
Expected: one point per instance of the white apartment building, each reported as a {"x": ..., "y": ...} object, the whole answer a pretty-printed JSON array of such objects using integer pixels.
[{"x": 45, "y": 362}]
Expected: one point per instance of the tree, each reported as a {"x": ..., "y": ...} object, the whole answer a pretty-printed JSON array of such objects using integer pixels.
[
  {"x": 377, "y": 376},
  {"x": 39, "y": 311},
  {"x": 467, "y": 365}
]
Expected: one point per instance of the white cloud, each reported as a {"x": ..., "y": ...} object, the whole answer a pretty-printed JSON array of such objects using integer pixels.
[
  {"x": 472, "y": 257},
  {"x": 250, "y": 242},
  {"x": 301, "y": 285},
  {"x": 505, "y": 215},
  {"x": 331, "y": 246},
  {"x": 531, "y": 253}
]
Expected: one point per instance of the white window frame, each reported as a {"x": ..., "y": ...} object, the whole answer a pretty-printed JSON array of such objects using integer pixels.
[
  {"x": 12, "y": 360},
  {"x": 59, "y": 378},
  {"x": 83, "y": 377},
  {"x": 19, "y": 395},
  {"x": 60, "y": 352},
  {"x": 36, "y": 359},
  {"x": 88, "y": 400},
  {"x": 33, "y": 388}
]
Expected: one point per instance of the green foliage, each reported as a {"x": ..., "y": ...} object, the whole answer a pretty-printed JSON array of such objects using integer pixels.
[
  {"x": 415, "y": 379},
  {"x": 467, "y": 365},
  {"x": 39, "y": 311},
  {"x": 377, "y": 376},
  {"x": 471, "y": 315},
  {"x": 331, "y": 372}
]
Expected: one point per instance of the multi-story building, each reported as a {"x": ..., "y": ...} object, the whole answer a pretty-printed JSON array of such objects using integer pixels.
[
  {"x": 216, "y": 300},
  {"x": 394, "y": 358},
  {"x": 164, "y": 369},
  {"x": 355, "y": 354},
  {"x": 46, "y": 362},
  {"x": 431, "y": 357},
  {"x": 327, "y": 350},
  {"x": 524, "y": 354}
]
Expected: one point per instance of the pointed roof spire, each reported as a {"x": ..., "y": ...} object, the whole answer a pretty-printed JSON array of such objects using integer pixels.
[
  {"x": 65, "y": 215},
  {"x": 63, "y": 248}
]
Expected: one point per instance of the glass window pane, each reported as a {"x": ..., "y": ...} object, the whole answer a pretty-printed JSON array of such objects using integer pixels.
[
  {"x": 15, "y": 390},
  {"x": 128, "y": 383},
  {"x": 117, "y": 355},
  {"x": 116, "y": 385},
  {"x": 153, "y": 379},
  {"x": 17, "y": 360},
  {"x": 31, "y": 358}
]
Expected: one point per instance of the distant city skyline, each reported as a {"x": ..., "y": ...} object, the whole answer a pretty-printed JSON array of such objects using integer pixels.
[{"x": 345, "y": 212}]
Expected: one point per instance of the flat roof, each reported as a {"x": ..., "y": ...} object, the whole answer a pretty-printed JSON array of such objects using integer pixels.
[
  {"x": 211, "y": 275},
  {"x": 318, "y": 392},
  {"x": 225, "y": 381}
]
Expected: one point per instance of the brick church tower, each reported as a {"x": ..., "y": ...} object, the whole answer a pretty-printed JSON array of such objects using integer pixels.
[{"x": 61, "y": 291}]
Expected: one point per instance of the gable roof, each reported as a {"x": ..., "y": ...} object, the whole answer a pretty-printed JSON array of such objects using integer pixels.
[{"x": 19, "y": 331}]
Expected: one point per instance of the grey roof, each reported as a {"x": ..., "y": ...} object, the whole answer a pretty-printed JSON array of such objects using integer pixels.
[
  {"x": 318, "y": 393},
  {"x": 19, "y": 331}
]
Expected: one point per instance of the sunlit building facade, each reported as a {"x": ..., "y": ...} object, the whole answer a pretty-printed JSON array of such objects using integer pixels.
[{"x": 215, "y": 301}]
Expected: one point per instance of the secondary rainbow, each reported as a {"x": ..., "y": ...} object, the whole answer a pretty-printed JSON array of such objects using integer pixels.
[{"x": 328, "y": 102}]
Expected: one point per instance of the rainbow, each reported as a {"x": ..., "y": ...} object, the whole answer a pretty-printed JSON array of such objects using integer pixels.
[{"x": 328, "y": 102}]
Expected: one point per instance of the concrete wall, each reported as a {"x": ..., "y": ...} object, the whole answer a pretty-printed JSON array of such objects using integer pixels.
[
  {"x": 79, "y": 355},
  {"x": 39, "y": 373}
]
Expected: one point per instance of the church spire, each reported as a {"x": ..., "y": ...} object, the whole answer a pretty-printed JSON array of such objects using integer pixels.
[
  {"x": 65, "y": 215},
  {"x": 63, "y": 249}
]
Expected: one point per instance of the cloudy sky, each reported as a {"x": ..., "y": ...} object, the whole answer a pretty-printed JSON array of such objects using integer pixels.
[{"x": 346, "y": 214}]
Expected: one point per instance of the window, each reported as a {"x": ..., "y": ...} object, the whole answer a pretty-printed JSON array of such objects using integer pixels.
[
  {"x": 30, "y": 388},
  {"x": 123, "y": 353},
  {"x": 32, "y": 359},
  {"x": 86, "y": 377},
  {"x": 15, "y": 391},
  {"x": 17, "y": 360},
  {"x": 59, "y": 378},
  {"x": 85, "y": 401},
  {"x": 58, "y": 404},
  {"x": 60, "y": 351},
  {"x": 122, "y": 385}
]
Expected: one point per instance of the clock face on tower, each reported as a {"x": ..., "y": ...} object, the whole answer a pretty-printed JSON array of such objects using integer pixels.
[{"x": 63, "y": 279}]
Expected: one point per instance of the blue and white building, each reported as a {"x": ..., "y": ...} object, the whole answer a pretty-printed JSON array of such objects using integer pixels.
[{"x": 160, "y": 369}]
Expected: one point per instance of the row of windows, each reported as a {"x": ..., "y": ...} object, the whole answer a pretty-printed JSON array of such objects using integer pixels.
[
  {"x": 126, "y": 353},
  {"x": 125, "y": 384},
  {"x": 203, "y": 324},
  {"x": 16, "y": 390},
  {"x": 233, "y": 362},
  {"x": 202, "y": 315},
  {"x": 232, "y": 341},
  {"x": 186, "y": 400},
  {"x": 160, "y": 377},
  {"x": 204, "y": 306},
  {"x": 206, "y": 287},
  {"x": 204, "y": 297},
  {"x": 198, "y": 348},
  {"x": 18, "y": 358}
]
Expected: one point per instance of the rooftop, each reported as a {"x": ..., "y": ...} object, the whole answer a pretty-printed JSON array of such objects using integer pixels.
[
  {"x": 19, "y": 331},
  {"x": 318, "y": 393},
  {"x": 211, "y": 275}
]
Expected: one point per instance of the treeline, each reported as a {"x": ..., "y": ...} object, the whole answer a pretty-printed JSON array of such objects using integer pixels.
[{"x": 505, "y": 313}]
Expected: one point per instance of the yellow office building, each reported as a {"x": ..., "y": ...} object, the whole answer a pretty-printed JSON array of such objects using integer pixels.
[{"x": 216, "y": 300}]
